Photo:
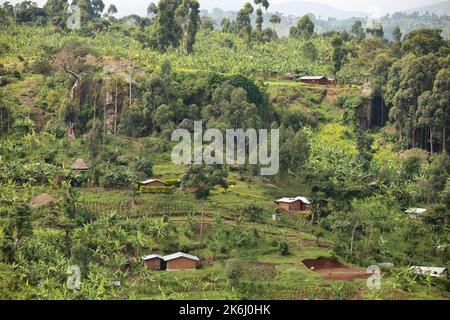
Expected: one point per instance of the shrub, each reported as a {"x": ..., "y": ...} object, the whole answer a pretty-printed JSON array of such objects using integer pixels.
[
  {"x": 234, "y": 271},
  {"x": 173, "y": 182},
  {"x": 143, "y": 168},
  {"x": 283, "y": 248}
]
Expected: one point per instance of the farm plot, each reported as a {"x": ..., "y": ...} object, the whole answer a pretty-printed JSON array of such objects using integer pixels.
[{"x": 335, "y": 270}]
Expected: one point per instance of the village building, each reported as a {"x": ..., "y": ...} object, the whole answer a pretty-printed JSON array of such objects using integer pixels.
[
  {"x": 415, "y": 213},
  {"x": 172, "y": 262},
  {"x": 180, "y": 261},
  {"x": 288, "y": 77},
  {"x": 153, "y": 183},
  {"x": 79, "y": 165},
  {"x": 294, "y": 204},
  {"x": 153, "y": 262},
  {"x": 436, "y": 272},
  {"x": 322, "y": 80}
]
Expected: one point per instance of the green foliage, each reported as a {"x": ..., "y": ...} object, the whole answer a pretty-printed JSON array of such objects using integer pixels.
[
  {"x": 203, "y": 179},
  {"x": 422, "y": 42},
  {"x": 234, "y": 271},
  {"x": 253, "y": 212},
  {"x": 283, "y": 247},
  {"x": 303, "y": 29}
]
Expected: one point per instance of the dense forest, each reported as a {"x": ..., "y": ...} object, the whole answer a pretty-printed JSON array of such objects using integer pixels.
[{"x": 88, "y": 104}]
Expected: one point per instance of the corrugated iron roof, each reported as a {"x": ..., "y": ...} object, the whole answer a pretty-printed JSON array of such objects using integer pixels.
[
  {"x": 180, "y": 255},
  {"x": 290, "y": 200},
  {"x": 416, "y": 210},
  {"x": 152, "y": 180},
  {"x": 152, "y": 256},
  {"x": 433, "y": 271},
  {"x": 312, "y": 77}
]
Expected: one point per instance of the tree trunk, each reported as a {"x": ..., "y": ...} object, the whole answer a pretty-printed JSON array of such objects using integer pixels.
[
  {"x": 431, "y": 139},
  {"x": 352, "y": 239},
  {"x": 133, "y": 201},
  {"x": 115, "y": 113},
  {"x": 444, "y": 147},
  {"x": 201, "y": 228},
  {"x": 1, "y": 121},
  {"x": 104, "y": 123}
]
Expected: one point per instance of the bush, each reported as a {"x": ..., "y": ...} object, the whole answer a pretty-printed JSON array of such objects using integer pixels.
[
  {"x": 143, "y": 168},
  {"x": 234, "y": 271},
  {"x": 283, "y": 248},
  {"x": 173, "y": 182}
]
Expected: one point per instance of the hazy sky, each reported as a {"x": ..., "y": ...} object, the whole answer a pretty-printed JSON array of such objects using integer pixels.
[{"x": 372, "y": 6}]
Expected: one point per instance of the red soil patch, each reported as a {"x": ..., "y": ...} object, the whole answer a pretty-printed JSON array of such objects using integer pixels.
[
  {"x": 335, "y": 270},
  {"x": 322, "y": 263}
]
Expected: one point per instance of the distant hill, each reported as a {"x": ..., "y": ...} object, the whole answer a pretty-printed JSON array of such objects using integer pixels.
[
  {"x": 439, "y": 9},
  {"x": 325, "y": 11}
]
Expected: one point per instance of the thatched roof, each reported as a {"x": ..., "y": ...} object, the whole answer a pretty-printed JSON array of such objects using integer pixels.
[
  {"x": 43, "y": 200},
  {"x": 80, "y": 165}
]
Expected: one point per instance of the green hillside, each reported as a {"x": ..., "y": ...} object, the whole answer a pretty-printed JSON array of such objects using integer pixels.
[{"x": 363, "y": 149}]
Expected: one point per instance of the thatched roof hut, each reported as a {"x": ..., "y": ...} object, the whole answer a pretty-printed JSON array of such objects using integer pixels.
[
  {"x": 80, "y": 165},
  {"x": 43, "y": 200}
]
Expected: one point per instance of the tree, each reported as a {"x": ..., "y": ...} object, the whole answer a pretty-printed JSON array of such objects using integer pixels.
[
  {"x": 94, "y": 140},
  {"x": 441, "y": 95},
  {"x": 408, "y": 80},
  {"x": 397, "y": 34},
  {"x": 422, "y": 42},
  {"x": 163, "y": 117},
  {"x": 112, "y": 10},
  {"x": 152, "y": 9},
  {"x": 168, "y": 31},
  {"x": 259, "y": 17},
  {"x": 303, "y": 29},
  {"x": 339, "y": 53},
  {"x": 259, "y": 20},
  {"x": 234, "y": 271},
  {"x": 376, "y": 30},
  {"x": 358, "y": 30},
  {"x": 55, "y": 7},
  {"x": 274, "y": 20},
  {"x": 143, "y": 168},
  {"x": 364, "y": 154},
  {"x": 17, "y": 226},
  {"x": 265, "y": 4},
  {"x": 97, "y": 7},
  {"x": 299, "y": 152},
  {"x": 132, "y": 122},
  {"x": 360, "y": 231},
  {"x": 310, "y": 51},
  {"x": 86, "y": 9},
  {"x": 426, "y": 110},
  {"x": 193, "y": 25},
  {"x": 56, "y": 11},
  {"x": 203, "y": 179},
  {"x": 253, "y": 212},
  {"x": 243, "y": 22},
  {"x": 437, "y": 177},
  {"x": 207, "y": 23},
  {"x": 410, "y": 168},
  {"x": 69, "y": 59}
]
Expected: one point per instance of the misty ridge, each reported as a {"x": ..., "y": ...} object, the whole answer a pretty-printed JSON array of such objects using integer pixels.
[{"x": 327, "y": 18}]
